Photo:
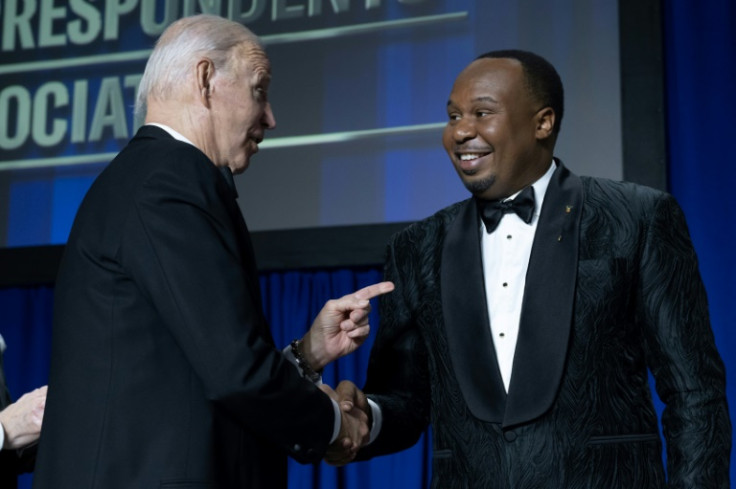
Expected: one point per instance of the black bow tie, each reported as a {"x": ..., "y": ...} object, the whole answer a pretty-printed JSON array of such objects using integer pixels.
[{"x": 491, "y": 211}]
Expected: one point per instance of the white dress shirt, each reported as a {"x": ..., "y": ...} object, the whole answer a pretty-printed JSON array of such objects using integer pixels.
[{"x": 505, "y": 254}]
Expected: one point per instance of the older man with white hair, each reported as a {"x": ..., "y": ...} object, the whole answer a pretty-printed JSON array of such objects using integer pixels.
[{"x": 163, "y": 371}]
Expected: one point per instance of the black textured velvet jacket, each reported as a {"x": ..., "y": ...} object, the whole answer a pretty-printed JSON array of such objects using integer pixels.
[{"x": 613, "y": 288}]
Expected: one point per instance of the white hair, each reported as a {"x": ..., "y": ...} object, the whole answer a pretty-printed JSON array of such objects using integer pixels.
[{"x": 184, "y": 40}]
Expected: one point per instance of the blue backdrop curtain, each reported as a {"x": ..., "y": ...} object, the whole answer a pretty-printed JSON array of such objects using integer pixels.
[
  {"x": 700, "y": 60},
  {"x": 291, "y": 300}
]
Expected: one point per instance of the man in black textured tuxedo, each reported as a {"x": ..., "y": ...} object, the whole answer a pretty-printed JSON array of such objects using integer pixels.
[
  {"x": 20, "y": 426},
  {"x": 525, "y": 339},
  {"x": 163, "y": 370}
]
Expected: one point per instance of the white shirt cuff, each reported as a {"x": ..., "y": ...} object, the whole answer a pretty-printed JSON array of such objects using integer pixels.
[
  {"x": 2, "y": 436},
  {"x": 338, "y": 421},
  {"x": 377, "y": 420}
]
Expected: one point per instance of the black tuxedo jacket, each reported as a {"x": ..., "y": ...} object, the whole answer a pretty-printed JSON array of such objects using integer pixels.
[
  {"x": 612, "y": 289},
  {"x": 12, "y": 462},
  {"x": 163, "y": 370}
]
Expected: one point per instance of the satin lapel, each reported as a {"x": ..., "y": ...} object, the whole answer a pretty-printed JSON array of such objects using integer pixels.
[
  {"x": 466, "y": 318},
  {"x": 547, "y": 309}
]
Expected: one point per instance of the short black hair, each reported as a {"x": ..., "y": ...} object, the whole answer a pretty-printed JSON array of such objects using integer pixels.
[{"x": 542, "y": 79}]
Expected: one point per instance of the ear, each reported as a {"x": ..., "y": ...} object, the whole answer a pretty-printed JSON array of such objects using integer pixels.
[
  {"x": 205, "y": 75},
  {"x": 545, "y": 122}
]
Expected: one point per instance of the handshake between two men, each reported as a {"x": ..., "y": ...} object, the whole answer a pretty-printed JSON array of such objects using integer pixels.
[
  {"x": 338, "y": 330},
  {"x": 355, "y": 433}
]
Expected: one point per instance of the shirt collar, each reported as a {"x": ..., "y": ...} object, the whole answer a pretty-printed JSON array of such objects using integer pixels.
[
  {"x": 178, "y": 136},
  {"x": 173, "y": 133}
]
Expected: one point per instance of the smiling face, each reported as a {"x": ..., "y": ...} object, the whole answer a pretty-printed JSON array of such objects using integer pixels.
[
  {"x": 240, "y": 112},
  {"x": 498, "y": 137}
]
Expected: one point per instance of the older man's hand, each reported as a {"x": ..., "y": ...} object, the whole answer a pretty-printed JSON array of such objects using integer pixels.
[
  {"x": 22, "y": 420},
  {"x": 341, "y": 326}
]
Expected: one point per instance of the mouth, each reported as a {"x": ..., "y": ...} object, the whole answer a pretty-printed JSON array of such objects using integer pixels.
[
  {"x": 469, "y": 161},
  {"x": 254, "y": 142}
]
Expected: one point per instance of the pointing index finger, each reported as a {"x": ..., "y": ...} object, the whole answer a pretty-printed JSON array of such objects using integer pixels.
[{"x": 367, "y": 293}]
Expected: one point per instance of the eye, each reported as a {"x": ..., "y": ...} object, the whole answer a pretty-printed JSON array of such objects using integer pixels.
[
  {"x": 261, "y": 93},
  {"x": 453, "y": 116}
]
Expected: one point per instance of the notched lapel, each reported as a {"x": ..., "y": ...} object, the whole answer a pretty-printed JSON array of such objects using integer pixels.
[
  {"x": 547, "y": 309},
  {"x": 466, "y": 320}
]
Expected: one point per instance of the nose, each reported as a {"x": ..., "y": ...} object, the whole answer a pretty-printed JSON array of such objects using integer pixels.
[
  {"x": 268, "y": 120},
  {"x": 463, "y": 130}
]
